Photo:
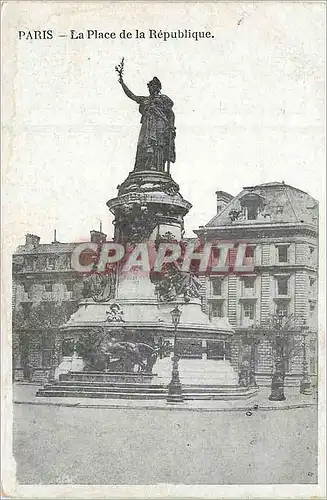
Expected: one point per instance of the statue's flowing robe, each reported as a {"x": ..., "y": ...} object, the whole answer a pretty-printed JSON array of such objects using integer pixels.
[{"x": 156, "y": 143}]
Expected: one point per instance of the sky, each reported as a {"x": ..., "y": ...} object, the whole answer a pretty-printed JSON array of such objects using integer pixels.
[{"x": 249, "y": 107}]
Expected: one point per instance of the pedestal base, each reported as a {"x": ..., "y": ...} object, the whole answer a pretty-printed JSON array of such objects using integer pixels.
[{"x": 198, "y": 372}]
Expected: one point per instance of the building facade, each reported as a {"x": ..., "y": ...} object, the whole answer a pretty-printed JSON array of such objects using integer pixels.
[
  {"x": 46, "y": 291},
  {"x": 279, "y": 225}
]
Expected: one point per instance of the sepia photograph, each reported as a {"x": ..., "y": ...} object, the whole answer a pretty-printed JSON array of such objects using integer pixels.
[{"x": 163, "y": 203}]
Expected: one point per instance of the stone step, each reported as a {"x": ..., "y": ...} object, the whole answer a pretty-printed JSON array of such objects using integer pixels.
[
  {"x": 103, "y": 386},
  {"x": 92, "y": 388},
  {"x": 141, "y": 395},
  {"x": 96, "y": 394}
]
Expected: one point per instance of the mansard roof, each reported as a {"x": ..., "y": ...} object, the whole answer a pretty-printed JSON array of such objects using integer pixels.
[
  {"x": 277, "y": 203},
  {"x": 46, "y": 248}
]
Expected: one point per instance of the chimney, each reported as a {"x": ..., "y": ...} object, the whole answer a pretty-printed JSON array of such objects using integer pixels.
[
  {"x": 31, "y": 240},
  {"x": 55, "y": 236},
  {"x": 97, "y": 236},
  {"x": 223, "y": 199}
]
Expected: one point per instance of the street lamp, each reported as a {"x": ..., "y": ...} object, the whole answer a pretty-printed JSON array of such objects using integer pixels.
[
  {"x": 277, "y": 382},
  {"x": 175, "y": 394},
  {"x": 305, "y": 384},
  {"x": 254, "y": 341}
]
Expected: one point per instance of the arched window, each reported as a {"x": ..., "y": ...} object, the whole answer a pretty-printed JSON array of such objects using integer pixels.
[{"x": 251, "y": 204}]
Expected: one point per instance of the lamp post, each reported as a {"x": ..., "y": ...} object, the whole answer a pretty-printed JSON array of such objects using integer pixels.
[
  {"x": 253, "y": 343},
  {"x": 305, "y": 384},
  {"x": 175, "y": 394},
  {"x": 277, "y": 382}
]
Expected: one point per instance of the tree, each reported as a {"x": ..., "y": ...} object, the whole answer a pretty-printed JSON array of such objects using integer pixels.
[
  {"x": 38, "y": 323},
  {"x": 281, "y": 330}
]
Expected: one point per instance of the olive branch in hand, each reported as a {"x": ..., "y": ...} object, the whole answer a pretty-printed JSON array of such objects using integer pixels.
[{"x": 120, "y": 68}]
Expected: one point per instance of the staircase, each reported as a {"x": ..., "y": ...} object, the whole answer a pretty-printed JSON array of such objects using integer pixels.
[{"x": 100, "y": 385}]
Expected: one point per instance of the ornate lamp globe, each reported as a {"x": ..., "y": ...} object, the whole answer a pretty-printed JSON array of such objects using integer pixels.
[{"x": 175, "y": 316}]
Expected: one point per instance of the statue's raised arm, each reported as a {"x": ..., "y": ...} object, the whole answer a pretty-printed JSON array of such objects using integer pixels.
[{"x": 128, "y": 92}]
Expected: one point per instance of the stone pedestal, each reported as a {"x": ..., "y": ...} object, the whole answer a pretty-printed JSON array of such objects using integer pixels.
[{"x": 150, "y": 206}]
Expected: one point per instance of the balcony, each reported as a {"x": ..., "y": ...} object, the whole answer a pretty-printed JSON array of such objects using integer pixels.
[{"x": 248, "y": 293}]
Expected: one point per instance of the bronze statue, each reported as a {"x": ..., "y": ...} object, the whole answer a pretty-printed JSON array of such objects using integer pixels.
[
  {"x": 132, "y": 354},
  {"x": 156, "y": 143}
]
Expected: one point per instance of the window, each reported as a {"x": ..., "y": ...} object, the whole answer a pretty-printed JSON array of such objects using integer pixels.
[
  {"x": 312, "y": 306},
  {"x": 251, "y": 212},
  {"x": 217, "y": 309},
  {"x": 248, "y": 310},
  {"x": 27, "y": 286},
  {"x": 249, "y": 253},
  {"x": 69, "y": 286},
  {"x": 51, "y": 263},
  {"x": 312, "y": 280},
  {"x": 282, "y": 253},
  {"x": 216, "y": 286},
  {"x": 29, "y": 263},
  {"x": 282, "y": 285},
  {"x": 248, "y": 282},
  {"x": 48, "y": 287},
  {"x": 282, "y": 310},
  {"x": 252, "y": 204}
]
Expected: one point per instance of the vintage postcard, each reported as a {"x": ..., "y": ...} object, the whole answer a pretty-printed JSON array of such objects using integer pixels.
[{"x": 163, "y": 213}]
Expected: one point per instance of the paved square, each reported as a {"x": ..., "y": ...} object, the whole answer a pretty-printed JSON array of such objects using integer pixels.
[{"x": 54, "y": 444}]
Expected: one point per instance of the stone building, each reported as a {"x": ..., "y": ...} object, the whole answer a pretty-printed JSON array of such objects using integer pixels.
[
  {"x": 46, "y": 291},
  {"x": 279, "y": 224}
]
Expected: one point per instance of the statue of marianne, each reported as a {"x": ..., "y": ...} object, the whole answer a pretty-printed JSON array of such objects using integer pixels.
[{"x": 156, "y": 143}]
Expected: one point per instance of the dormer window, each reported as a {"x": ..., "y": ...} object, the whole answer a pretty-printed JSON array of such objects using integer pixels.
[
  {"x": 252, "y": 205},
  {"x": 251, "y": 212}
]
